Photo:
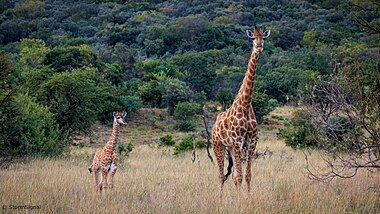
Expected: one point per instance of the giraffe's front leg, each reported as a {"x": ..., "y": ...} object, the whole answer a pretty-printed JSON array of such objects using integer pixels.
[
  {"x": 248, "y": 176},
  {"x": 113, "y": 169}
]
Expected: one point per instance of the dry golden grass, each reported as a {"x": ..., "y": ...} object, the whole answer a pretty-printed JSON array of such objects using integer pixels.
[{"x": 152, "y": 180}]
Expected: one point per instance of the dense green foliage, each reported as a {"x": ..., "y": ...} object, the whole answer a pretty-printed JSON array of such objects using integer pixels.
[
  {"x": 167, "y": 140},
  {"x": 185, "y": 113},
  {"x": 124, "y": 149},
  {"x": 77, "y": 61},
  {"x": 184, "y": 145},
  {"x": 301, "y": 134}
]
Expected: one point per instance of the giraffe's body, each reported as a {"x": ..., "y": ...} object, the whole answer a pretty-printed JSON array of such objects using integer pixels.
[
  {"x": 236, "y": 128},
  {"x": 106, "y": 160}
]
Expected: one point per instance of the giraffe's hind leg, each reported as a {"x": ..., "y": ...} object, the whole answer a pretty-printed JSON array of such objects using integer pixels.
[
  {"x": 248, "y": 176},
  {"x": 237, "y": 175},
  {"x": 98, "y": 180}
]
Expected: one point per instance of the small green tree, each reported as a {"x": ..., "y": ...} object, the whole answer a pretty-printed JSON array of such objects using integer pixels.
[
  {"x": 185, "y": 145},
  {"x": 174, "y": 91},
  {"x": 225, "y": 97},
  {"x": 167, "y": 140},
  {"x": 77, "y": 98},
  {"x": 151, "y": 93},
  {"x": 71, "y": 58},
  {"x": 185, "y": 113},
  {"x": 33, "y": 52},
  {"x": 130, "y": 103},
  {"x": 29, "y": 128},
  {"x": 262, "y": 104}
]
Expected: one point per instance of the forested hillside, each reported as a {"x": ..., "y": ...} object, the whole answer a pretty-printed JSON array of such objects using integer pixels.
[{"x": 66, "y": 64}]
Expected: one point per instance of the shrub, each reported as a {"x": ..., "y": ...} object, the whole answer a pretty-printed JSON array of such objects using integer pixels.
[
  {"x": 262, "y": 104},
  {"x": 77, "y": 98},
  {"x": 124, "y": 149},
  {"x": 28, "y": 128},
  {"x": 185, "y": 144},
  {"x": 200, "y": 144},
  {"x": 167, "y": 141},
  {"x": 68, "y": 59},
  {"x": 224, "y": 96},
  {"x": 130, "y": 103},
  {"x": 185, "y": 113},
  {"x": 174, "y": 91},
  {"x": 185, "y": 125},
  {"x": 151, "y": 93},
  {"x": 301, "y": 134}
]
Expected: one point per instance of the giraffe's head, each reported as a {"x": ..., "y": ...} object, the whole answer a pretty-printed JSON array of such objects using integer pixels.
[
  {"x": 258, "y": 36},
  {"x": 119, "y": 118}
]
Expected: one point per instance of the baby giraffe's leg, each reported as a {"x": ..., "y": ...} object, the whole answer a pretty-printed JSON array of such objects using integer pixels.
[
  {"x": 95, "y": 168},
  {"x": 113, "y": 169},
  {"x": 98, "y": 185},
  {"x": 104, "y": 179}
]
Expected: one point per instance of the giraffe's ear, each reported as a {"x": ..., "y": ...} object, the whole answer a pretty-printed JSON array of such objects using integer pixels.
[
  {"x": 250, "y": 34},
  {"x": 114, "y": 114},
  {"x": 124, "y": 114},
  {"x": 266, "y": 34}
]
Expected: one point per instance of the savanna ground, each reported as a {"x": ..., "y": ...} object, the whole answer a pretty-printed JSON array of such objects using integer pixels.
[{"x": 152, "y": 180}]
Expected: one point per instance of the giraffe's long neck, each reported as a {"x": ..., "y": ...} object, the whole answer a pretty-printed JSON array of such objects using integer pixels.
[
  {"x": 112, "y": 142},
  {"x": 244, "y": 96}
]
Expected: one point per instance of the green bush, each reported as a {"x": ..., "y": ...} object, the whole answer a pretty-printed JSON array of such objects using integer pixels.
[
  {"x": 200, "y": 144},
  {"x": 185, "y": 144},
  {"x": 68, "y": 59},
  {"x": 185, "y": 125},
  {"x": 174, "y": 91},
  {"x": 151, "y": 93},
  {"x": 77, "y": 98},
  {"x": 130, "y": 103},
  {"x": 225, "y": 97},
  {"x": 124, "y": 149},
  {"x": 301, "y": 134},
  {"x": 28, "y": 128},
  {"x": 184, "y": 113},
  {"x": 167, "y": 141},
  {"x": 262, "y": 105}
]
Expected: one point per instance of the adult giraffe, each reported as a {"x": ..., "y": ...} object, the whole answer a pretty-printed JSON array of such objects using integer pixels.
[{"x": 236, "y": 128}]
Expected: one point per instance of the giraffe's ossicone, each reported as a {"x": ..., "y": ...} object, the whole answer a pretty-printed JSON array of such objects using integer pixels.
[{"x": 235, "y": 129}]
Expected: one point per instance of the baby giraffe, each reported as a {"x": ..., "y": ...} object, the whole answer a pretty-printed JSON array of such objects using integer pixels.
[{"x": 106, "y": 160}]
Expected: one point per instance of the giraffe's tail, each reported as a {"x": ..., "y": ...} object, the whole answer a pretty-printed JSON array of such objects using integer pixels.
[
  {"x": 230, "y": 163},
  {"x": 90, "y": 169}
]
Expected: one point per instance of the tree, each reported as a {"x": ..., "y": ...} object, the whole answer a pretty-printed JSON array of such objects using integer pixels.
[
  {"x": 184, "y": 113},
  {"x": 262, "y": 104},
  {"x": 225, "y": 97},
  {"x": 33, "y": 52},
  {"x": 151, "y": 93},
  {"x": 174, "y": 91},
  {"x": 366, "y": 14},
  {"x": 68, "y": 59},
  {"x": 77, "y": 98},
  {"x": 29, "y": 128},
  {"x": 345, "y": 114},
  {"x": 199, "y": 74}
]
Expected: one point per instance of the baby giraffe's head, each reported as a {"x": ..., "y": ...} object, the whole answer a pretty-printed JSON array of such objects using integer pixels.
[{"x": 119, "y": 118}]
